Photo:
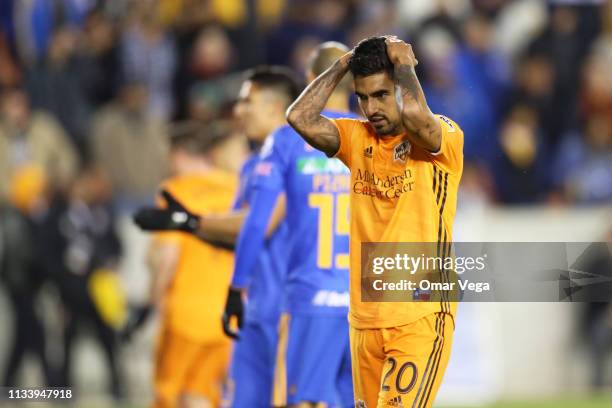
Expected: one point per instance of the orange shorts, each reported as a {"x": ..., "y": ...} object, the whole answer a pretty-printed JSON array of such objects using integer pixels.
[
  {"x": 401, "y": 366},
  {"x": 184, "y": 366}
]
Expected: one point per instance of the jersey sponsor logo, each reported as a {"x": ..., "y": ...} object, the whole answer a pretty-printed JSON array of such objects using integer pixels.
[
  {"x": 401, "y": 151},
  {"x": 263, "y": 169},
  {"x": 368, "y": 151},
  {"x": 330, "y": 298},
  {"x": 448, "y": 122},
  {"x": 389, "y": 187},
  {"x": 320, "y": 165}
]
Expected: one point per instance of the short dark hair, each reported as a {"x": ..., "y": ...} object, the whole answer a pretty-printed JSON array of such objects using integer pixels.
[
  {"x": 277, "y": 78},
  {"x": 370, "y": 57},
  {"x": 197, "y": 138}
]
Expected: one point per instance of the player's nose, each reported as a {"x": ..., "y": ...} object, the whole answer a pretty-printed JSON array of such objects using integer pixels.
[{"x": 371, "y": 108}]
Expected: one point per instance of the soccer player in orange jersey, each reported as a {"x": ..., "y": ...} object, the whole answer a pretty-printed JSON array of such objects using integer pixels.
[
  {"x": 192, "y": 352},
  {"x": 406, "y": 164}
]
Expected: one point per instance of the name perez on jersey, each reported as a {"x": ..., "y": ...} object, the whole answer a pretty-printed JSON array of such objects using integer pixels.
[{"x": 389, "y": 187}]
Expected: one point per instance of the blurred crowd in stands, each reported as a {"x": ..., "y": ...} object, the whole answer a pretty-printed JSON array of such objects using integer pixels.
[
  {"x": 88, "y": 89},
  {"x": 98, "y": 81}
]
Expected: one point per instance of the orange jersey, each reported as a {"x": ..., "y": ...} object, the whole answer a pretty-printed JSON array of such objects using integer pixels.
[
  {"x": 399, "y": 193},
  {"x": 195, "y": 300}
]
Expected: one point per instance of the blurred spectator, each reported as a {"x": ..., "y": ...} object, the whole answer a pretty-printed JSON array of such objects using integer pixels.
[
  {"x": 566, "y": 43},
  {"x": 210, "y": 55},
  {"x": 584, "y": 167},
  {"x": 98, "y": 60},
  {"x": 441, "y": 19},
  {"x": 35, "y": 21},
  {"x": 22, "y": 278},
  {"x": 32, "y": 143},
  {"x": 131, "y": 146},
  {"x": 207, "y": 99},
  {"x": 10, "y": 74},
  {"x": 522, "y": 174},
  {"x": 480, "y": 62},
  {"x": 148, "y": 56},
  {"x": 54, "y": 84},
  {"x": 534, "y": 87},
  {"x": 80, "y": 249},
  {"x": 489, "y": 7},
  {"x": 596, "y": 91},
  {"x": 325, "y": 20},
  {"x": 457, "y": 86}
]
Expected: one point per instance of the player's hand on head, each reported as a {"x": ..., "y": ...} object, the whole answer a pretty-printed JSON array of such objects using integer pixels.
[
  {"x": 234, "y": 309},
  {"x": 345, "y": 59},
  {"x": 399, "y": 51},
  {"x": 174, "y": 217}
]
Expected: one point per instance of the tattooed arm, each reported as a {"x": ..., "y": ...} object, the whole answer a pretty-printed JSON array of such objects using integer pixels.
[
  {"x": 304, "y": 115},
  {"x": 416, "y": 115}
]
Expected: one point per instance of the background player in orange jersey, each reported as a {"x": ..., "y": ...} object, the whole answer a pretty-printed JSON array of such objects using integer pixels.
[
  {"x": 264, "y": 96},
  {"x": 406, "y": 164},
  {"x": 192, "y": 353}
]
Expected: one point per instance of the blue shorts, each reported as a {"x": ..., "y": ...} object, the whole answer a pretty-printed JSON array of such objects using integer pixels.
[
  {"x": 252, "y": 368},
  {"x": 313, "y": 361}
]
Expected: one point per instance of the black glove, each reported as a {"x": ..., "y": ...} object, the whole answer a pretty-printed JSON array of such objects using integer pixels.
[
  {"x": 136, "y": 319},
  {"x": 174, "y": 217},
  {"x": 233, "y": 307}
]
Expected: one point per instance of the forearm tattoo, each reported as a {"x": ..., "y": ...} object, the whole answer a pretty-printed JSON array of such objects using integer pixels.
[
  {"x": 409, "y": 83},
  {"x": 309, "y": 105}
]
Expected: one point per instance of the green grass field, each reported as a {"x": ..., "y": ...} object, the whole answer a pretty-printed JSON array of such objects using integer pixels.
[
  {"x": 604, "y": 401},
  {"x": 570, "y": 402}
]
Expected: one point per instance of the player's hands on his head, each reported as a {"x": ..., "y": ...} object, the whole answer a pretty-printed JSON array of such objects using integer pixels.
[
  {"x": 137, "y": 317},
  {"x": 399, "y": 51},
  {"x": 174, "y": 217},
  {"x": 234, "y": 307},
  {"x": 345, "y": 59}
]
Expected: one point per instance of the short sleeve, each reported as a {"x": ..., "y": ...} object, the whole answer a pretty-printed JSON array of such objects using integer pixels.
[
  {"x": 450, "y": 155},
  {"x": 269, "y": 172},
  {"x": 345, "y": 130}
]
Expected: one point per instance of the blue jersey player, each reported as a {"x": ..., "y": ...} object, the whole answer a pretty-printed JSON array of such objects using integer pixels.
[
  {"x": 264, "y": 96},
  {"x": 313, "y": 359}
]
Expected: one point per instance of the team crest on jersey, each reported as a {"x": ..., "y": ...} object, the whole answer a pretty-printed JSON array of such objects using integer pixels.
[
  {"x": 368, "y": 151},
  {"x": 401, "y": 151},
  {"x": 360, "y": 404}
]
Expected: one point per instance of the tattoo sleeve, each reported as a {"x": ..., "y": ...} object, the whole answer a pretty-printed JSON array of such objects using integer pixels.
[
  {"x": 416, "y": 116},
  {"x": 304, "y": 115}
]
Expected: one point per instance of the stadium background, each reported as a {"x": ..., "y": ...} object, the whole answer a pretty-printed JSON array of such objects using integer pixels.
[{"x": 528, "y": 80}]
